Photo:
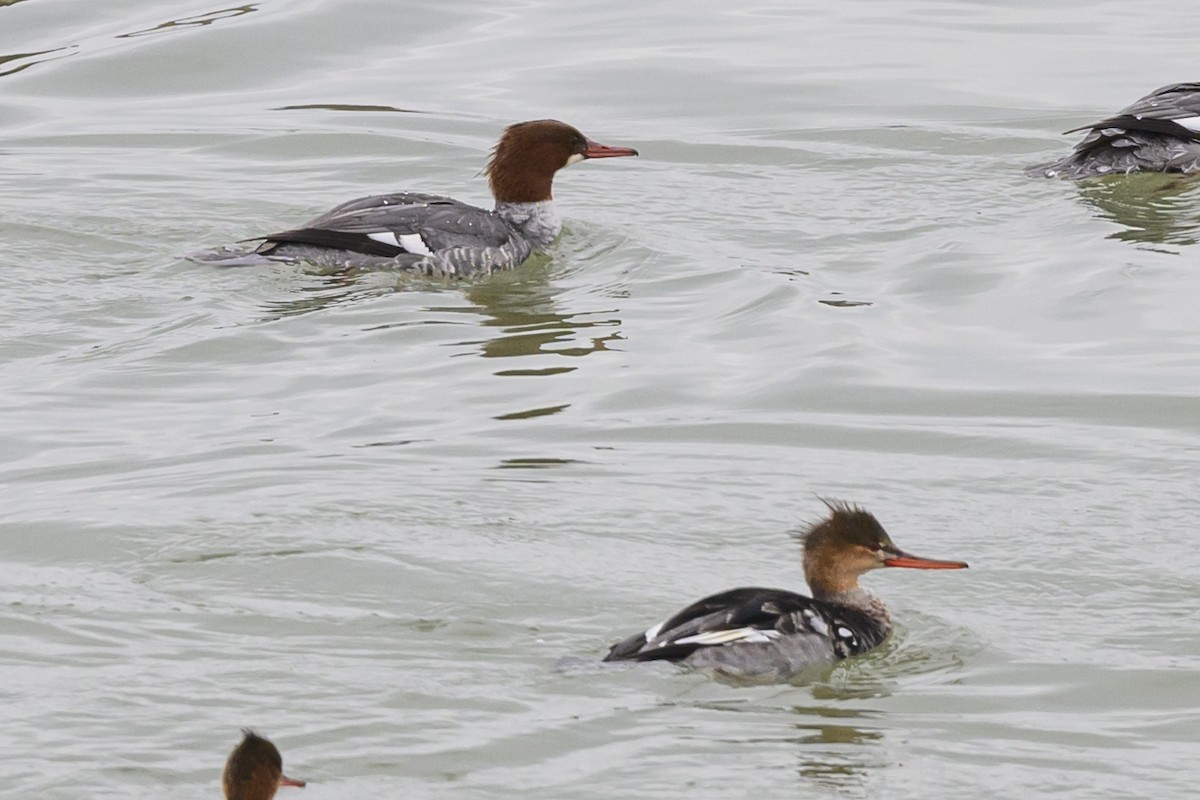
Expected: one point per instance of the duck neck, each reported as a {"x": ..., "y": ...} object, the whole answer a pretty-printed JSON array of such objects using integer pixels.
[
  {"x": 537, "y": 221},
  {"x": 859, "y": 599}
]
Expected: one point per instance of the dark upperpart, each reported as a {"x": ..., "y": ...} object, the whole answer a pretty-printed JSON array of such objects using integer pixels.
[{"x": 528, "y": 154}]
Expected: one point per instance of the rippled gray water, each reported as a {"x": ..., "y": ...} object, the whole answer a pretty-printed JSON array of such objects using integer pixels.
[{"x": 390, "y": 523}]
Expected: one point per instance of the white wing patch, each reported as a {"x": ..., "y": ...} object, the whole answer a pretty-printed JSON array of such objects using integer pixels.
[
  {"x": 815, "y": 622},
  {"x": 387, "y": 237},
  {"x": 740, "y": 635},
  {"x": 1191, "y": 123},
  {"x": 651, "y": 633},
  {"x": 411, "y": 242}
]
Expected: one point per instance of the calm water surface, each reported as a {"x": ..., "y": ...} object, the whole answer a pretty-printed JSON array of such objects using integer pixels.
[{"x": 374, "y": 516}]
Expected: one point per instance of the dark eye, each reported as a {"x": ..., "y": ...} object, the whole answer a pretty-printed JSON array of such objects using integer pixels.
[{"x": 874, "y": 548}]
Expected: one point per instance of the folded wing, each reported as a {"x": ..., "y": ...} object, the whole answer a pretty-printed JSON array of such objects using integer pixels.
[
  {"x": 752, "y": 616},
  {"x": 395, "y": 224}
]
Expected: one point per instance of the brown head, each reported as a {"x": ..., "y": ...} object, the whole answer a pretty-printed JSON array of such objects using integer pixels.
[
  {"x": 254, "y": 770},
  {"x": 849, "y": 542},
  {"x": 529, "y": 153}
]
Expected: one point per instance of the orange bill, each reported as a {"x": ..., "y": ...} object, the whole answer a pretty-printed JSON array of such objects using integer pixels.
[{"x": 902, "y": 559}]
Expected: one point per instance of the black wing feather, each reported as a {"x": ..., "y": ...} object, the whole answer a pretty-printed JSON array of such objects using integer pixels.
[
  {"x": 1128, "y": 122},
  {"x": 777, "y": 610},
  {"x": 751, "y": 607},
  {"x": 1156, "y": 112},
  {"x": 441, "y": 222},
  {"x": 336, "y": 240}
]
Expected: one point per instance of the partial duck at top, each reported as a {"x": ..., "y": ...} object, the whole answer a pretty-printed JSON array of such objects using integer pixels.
[
  {"x": 254, "y": 770},
  {"x": 1159, "y": 133},
  {"x": 760, "y": 635},
  {"x": 436, "y": 235}
]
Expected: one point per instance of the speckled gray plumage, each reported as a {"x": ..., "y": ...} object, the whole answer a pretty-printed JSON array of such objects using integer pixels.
[
  {"x": 1145, "y": 137},
  {"x": 465, "y": 241},
  {"x": 770, "y": 662},
  {"x": 757, "y": 633}
]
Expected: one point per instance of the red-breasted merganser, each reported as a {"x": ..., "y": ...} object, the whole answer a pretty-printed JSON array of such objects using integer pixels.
[
  {"x": 254, "y": 770},
  {"x": 1159, "y": 133},
  {"x": 436, "y": 235},
  {"x": 773, "y": 634}
]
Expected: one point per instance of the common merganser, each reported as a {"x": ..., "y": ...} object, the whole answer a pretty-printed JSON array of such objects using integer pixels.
[
  {"x": 757, "y": 634},
  {"x": 1159, "y": 133},
  {"x": 254, "y": 770},
  {"x": 436, "y": 235}
]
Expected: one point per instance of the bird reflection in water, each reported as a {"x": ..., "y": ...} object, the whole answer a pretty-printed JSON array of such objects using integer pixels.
[
  {"x": 318, "y": 291},
  {"x": 506, "y": 316},
  {"x": 1152, "y": 208},
  {"x": 834, "y": 752},
  {"x": 530, "y": 324},
  {"x": 836, "y": 747}
]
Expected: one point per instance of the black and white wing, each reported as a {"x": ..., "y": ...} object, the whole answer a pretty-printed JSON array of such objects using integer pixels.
[
  {"x": 1159, "y": 133},
  {"x": 753, "y": 616},
  {"x": 1172, "y": 111},
  {"x": 394, "y": 224}
]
